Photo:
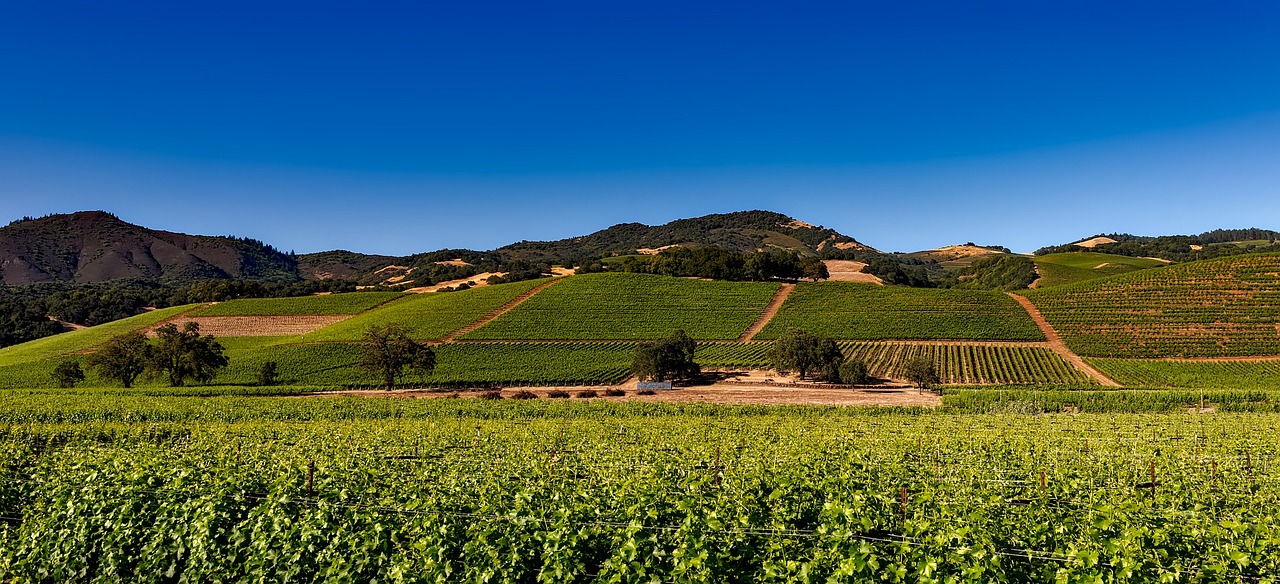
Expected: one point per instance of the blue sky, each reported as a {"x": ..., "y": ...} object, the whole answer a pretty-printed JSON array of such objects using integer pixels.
[{"x": 403, "y": 127}]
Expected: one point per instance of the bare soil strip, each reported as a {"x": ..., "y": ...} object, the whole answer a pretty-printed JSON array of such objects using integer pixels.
[
  {"x": 501, "y": 310},
  {"x": 1237, "y": 359},
  {"x": 1056, "y": 344},
  {"x": 913, "y": 342},
  {"x": 769, "y": 312},
  {"x": 259, "y": 326}
]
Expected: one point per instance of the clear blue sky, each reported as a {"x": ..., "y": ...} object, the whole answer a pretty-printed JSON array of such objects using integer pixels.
[{"x": 403, "y": 127}]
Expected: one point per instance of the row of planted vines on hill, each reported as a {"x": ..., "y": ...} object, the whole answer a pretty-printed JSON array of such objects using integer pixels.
[
  {"x": 845, "y": 310},
  {"x": 589, "y": 363},
  {"x": 632, "y": 306},
  {"x": 1191, "y": 374},
  {"x": 723, "y": 498},
  {"x": 1221, "y": 307}
]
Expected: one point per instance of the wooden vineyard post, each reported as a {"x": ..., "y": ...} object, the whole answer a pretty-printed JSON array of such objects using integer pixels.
[
  {"x": 902, "y": 504},
  {"x": 717, "y": 466},
  {"x": 1153, "y": 476},
  {"x": 1248, "y": 464},
  {"x": 311, "y": 477},
  {"x": 1213, "y": 478},
  {"x": 1042, "y": 483}
]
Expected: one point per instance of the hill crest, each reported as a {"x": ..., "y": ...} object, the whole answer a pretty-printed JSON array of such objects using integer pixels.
[{"x": 96, "y": 246}]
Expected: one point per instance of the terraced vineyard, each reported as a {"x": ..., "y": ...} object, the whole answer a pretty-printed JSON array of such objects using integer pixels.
[
  {"x": 632, "y": 307},
  {"x": 459, "y": 490},
  {"x": 845, "y": 310},
  {"x": 1057, "y": 269},
  {"x": 344, "y": 303},
  {"x": 428, "y": 316},
  {"x": 1221, "y": 307},
  {"x": 1191, "y": 374}
]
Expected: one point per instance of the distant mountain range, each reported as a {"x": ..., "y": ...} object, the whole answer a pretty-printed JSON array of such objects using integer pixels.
[{"x": 96, "y": 246}]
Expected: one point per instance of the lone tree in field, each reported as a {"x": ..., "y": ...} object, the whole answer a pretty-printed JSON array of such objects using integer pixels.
[
  {"x": 668, "y": 359},
  {"x": 388, "y": 351},
  {"x": 185, "y": 354},
  {"x": 920, "y": 371},
  {"x": 854, "y": 372},
  {"x": 803, "y": 352},
  {"x": 68, "y": 373},
  {"x": 122, "y": 359}
]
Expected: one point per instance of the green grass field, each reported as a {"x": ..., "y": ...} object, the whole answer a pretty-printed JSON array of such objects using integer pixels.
[
  {"x": 632, "y": 306},
  {"x": 1057, "y": 269},
  {"x": 845, "y": 310},
  {"x": 1238, "y": 375},
  {"x": 428, "y": 316},
  {"x": 328, "y": 304},
  {"x": 73, "y": 341},
  {"x": 1220, "y": 307}
]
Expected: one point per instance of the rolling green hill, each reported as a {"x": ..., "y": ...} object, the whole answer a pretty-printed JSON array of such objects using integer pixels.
[{"x": 1057, "y": 269}]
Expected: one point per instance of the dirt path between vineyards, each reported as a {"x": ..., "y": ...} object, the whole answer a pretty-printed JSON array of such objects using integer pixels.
[
  {"x": 1057, "y": 345},
  {"x": 769, "y": 312},
  {"x": 501, "y": 310},
  {"x": 729, "y": 393}
]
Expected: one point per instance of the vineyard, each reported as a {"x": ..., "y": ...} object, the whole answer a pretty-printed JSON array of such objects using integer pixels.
[
  {"x": 572, "y": 491},
  {"x": 428, "y": 316},
  {"x": 344, "y": 303},
  {"x": 1222, "y": 307},
  {"x": 625, "y": 306},
  {"x": 955, "y": 363},
  {"x": 1057, "y": 269},
  {"x": 1192, "y": 374},
  {"x": 845, "y": 310}
]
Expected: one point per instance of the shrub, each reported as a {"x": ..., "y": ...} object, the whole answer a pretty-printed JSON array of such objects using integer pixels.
[
  {"x": 614, "y": 392},
  {"x": 68, "y": 373},
  {"x": 646, "y": 392},
  {"x": 524, "y": 394},
  {"x": 491, "y": 395},
  {"x": 588, "y": 393},
  {"x": 558, "y": 393},
  {"x": 267, "y": 374}
]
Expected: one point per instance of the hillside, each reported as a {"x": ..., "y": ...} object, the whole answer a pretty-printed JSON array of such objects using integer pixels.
[
  {"x": 95, "y": 246},
  {"x": 740, "y": 231},
  {"x": 1212, "y": 308},
  {"x": 1061, "y": 268},
  {"x": 1176, "y": 248},
  {"x": 585, "y": 329},
  {"x": 957, "y": 256}
]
